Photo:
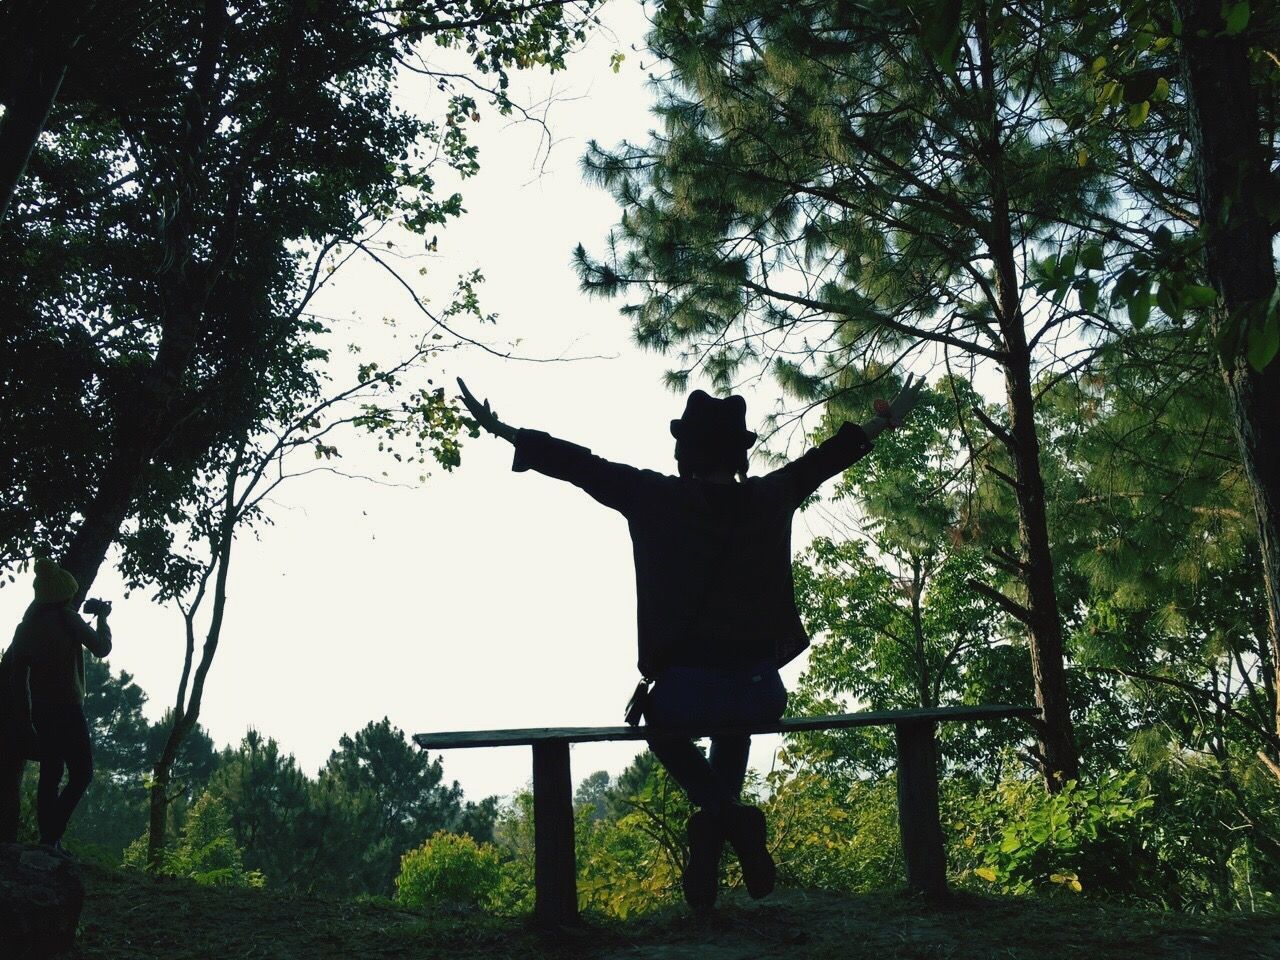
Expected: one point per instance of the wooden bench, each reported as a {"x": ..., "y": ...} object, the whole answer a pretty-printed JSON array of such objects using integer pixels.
[{"x": 555, "y": 872}]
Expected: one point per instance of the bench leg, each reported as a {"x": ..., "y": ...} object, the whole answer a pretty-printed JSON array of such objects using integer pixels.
[
  {"x": 554, "y": 868},
  {"x": 918, "y": 820}
]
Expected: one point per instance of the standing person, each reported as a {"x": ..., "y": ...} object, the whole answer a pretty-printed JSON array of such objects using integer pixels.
[
  {"x": 43, "y": 692},
  {"x": 715, "y": 600}
]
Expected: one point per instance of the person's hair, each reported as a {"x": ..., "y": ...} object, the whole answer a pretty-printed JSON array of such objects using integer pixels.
[{"x": 708, "y": 456}]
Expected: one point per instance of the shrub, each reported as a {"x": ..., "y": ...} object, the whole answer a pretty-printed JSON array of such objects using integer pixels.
[
  {"x": 835, "y": 833},
  {"x": 206, "y": 852},
  {"x": 449, "y": 868},
  {"x": 1021, "y": 838}
]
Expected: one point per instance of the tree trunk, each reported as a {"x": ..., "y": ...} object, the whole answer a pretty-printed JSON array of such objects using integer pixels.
[
  {"x": 158, "y": 812},
  {"x": 1059, "y": 759},
  {"x": 46, "y": 38},
  {"x": 924, "y": 682},
  {"x": 136, "y": 443},
  {"x": 21, "y": 127},
  {"x": 186, "y": 711},
  {"x": 1231, "y": 162},
  {"x": 184, "y": 292},
  {"x": 1044, "y": 623}
]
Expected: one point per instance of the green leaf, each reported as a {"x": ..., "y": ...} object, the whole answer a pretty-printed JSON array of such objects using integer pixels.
[
  {"x": 1091, "y": 257},
  {"x": 1167, "y": 300},
  {"x": 1089, "y": 295},
  {"x": 1125, "y": 286},
  {"x": 1198, "y": 296},
  {"x": 1236, "y": 17},
  {"x": 1138, "y": 113},
  {"x": 1140, "y": 87},
  {"x": 1140, "y": 308},
  {"x": 1264, "y": 342},
  {"x": 940, "y": 31},
  {"x": 1161, "y": 92}
]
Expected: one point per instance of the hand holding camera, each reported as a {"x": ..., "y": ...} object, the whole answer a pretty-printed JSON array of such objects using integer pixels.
[{"x": 96, "y": 607}]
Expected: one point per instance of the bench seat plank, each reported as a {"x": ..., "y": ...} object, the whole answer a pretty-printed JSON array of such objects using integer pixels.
[
  {"x": 554, "y": 869},
  {"x": 869, "y": 718}
]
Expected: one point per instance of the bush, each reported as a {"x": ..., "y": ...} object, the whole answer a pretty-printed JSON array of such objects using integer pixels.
[
  {"x": 1020, "y": 838},
  {"x": 835, "y": 833},
  {"x": 630, "y": 862},
  {"x": 451, "y": 869},
  {"x": 206, "y": 853}
]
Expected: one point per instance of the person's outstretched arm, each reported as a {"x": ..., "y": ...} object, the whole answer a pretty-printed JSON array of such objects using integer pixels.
[
  {"x": 96, "y": 639},
  {"x": 848, "y": 445},
  {"x": 612, "y": 484}
]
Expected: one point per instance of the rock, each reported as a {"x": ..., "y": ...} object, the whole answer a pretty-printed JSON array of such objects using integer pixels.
[{"x": 41, "y": 895}]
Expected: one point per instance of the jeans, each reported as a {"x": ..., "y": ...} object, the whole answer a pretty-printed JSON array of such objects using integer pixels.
[
  {"x": 702, "y": 696},
  {"x": 64, "y": 744}
]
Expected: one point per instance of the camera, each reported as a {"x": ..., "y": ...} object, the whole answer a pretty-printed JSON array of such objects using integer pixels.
[{"x": 97, "y": 607}]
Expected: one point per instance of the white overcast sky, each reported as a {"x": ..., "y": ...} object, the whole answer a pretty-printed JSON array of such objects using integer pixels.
[{"x": 484, "y": 598}]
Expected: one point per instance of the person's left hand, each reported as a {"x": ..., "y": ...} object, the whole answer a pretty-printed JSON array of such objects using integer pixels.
[
  {"x": 906, "y": 399},
  {"x": 484, "y": 416}
]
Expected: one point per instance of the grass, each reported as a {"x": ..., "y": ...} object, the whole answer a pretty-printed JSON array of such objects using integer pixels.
[{"x": 131, "y": 916}]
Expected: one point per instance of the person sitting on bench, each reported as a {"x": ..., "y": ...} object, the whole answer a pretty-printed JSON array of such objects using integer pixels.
[{"x": 715, "y": 597}]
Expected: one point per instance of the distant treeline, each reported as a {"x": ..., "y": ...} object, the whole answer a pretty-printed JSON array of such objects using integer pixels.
[{"x": 341, "y": 832}]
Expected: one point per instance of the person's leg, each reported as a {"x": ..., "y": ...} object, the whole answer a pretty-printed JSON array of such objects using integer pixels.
[
  {"x": 728, "y": 760},
  {"x": 11, "y": 767},
  {"x": 760, "y": 697},
  {"x": 757, "y": 696},
  {"x": 689, "y": 767},
  {"x": 51, "y": 766},
  {"x": 77, "y": 753},
  {"x": 679, "y": 699}
]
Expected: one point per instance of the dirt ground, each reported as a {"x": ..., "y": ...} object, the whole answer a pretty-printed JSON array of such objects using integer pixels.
[{"x": 131, "y": 916}]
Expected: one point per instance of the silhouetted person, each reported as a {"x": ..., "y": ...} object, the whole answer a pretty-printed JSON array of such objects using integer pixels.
[
  {"x": 715, "y": 600},
  {"x": 43, "y": 690}
]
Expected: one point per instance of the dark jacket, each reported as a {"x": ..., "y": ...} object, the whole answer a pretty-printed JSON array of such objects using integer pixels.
[
  {"x": 713, "y": 561},
  {"x": 45, "y": 662}
]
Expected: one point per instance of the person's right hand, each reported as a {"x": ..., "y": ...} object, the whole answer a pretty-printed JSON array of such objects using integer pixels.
[{"x": 484, "y": 416}]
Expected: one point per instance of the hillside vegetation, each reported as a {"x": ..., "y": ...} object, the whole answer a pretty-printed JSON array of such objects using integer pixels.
[{"x": 129, "y": 915}]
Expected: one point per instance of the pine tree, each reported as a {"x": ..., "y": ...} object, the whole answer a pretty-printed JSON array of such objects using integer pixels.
[
  {"x": 1205, "y": 72},
  {"x": 836, "y": 186},
  {"x": 1232, "y": 128}
]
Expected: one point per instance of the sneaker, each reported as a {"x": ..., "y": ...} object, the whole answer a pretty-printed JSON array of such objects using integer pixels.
[
  {"x": 744, "y": 828},
  {"x": 701, "y": 878}
]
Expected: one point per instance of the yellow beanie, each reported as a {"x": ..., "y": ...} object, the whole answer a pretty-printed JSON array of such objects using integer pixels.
[{"x": 53, "y": 584}]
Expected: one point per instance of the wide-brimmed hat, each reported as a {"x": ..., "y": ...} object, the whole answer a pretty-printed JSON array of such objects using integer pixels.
[
  {"x": 53, "y": 584},
  {"x": 713, "y": 420}
]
